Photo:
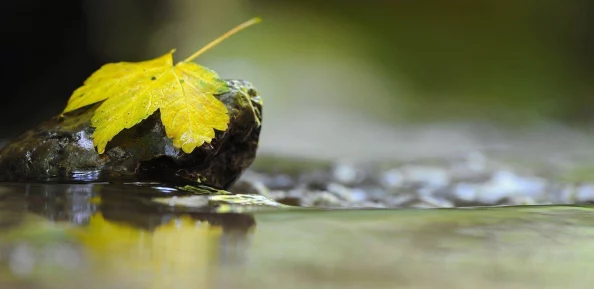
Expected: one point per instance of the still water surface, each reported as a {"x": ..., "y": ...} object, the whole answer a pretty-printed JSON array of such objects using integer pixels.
[{"x": 115, "y": 236}]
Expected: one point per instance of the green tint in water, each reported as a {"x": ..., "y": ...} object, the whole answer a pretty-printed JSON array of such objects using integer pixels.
[{"x": 114, "y": 236}]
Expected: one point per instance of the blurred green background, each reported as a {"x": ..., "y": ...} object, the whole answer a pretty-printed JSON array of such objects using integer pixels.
[
  {"x": 405, "y": 60},
  {"x": 344, "y": 73}
]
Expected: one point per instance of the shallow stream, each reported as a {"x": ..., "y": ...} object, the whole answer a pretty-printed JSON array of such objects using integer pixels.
[{"x": 121, "y": 236}]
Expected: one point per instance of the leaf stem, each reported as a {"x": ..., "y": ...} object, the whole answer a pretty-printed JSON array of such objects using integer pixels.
[{"x": 229, "y": 33}]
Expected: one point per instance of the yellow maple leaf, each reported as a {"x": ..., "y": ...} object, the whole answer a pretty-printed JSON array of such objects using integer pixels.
[{"x": 132, "y": 91}]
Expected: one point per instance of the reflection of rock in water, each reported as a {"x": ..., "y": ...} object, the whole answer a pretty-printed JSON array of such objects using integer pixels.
[
  {"x": 11, "y": 207},
  {"x": 118, "y": 234},
  {"x": 55, "y": 202}
]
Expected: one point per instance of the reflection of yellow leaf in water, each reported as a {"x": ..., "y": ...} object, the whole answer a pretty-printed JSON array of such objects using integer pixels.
[{"x": 178, "y": 252}]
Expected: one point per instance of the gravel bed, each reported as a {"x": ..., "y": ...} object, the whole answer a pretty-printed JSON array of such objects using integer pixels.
[{"x": 470, "y": 180}]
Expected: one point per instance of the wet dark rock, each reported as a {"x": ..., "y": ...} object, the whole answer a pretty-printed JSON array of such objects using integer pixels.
[{"x": 61, "y": 149}]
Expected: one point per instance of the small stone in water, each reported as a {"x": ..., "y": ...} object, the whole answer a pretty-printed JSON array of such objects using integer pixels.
[
  {"x": 392, "y": 179},
  {"x": 325, "y": 199},
  {"x": 345, "y": 193},
  {"x": 465, "y": 192},
  {"x": 346, "y": 174},
  {"x": 585, "y": 193}
]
